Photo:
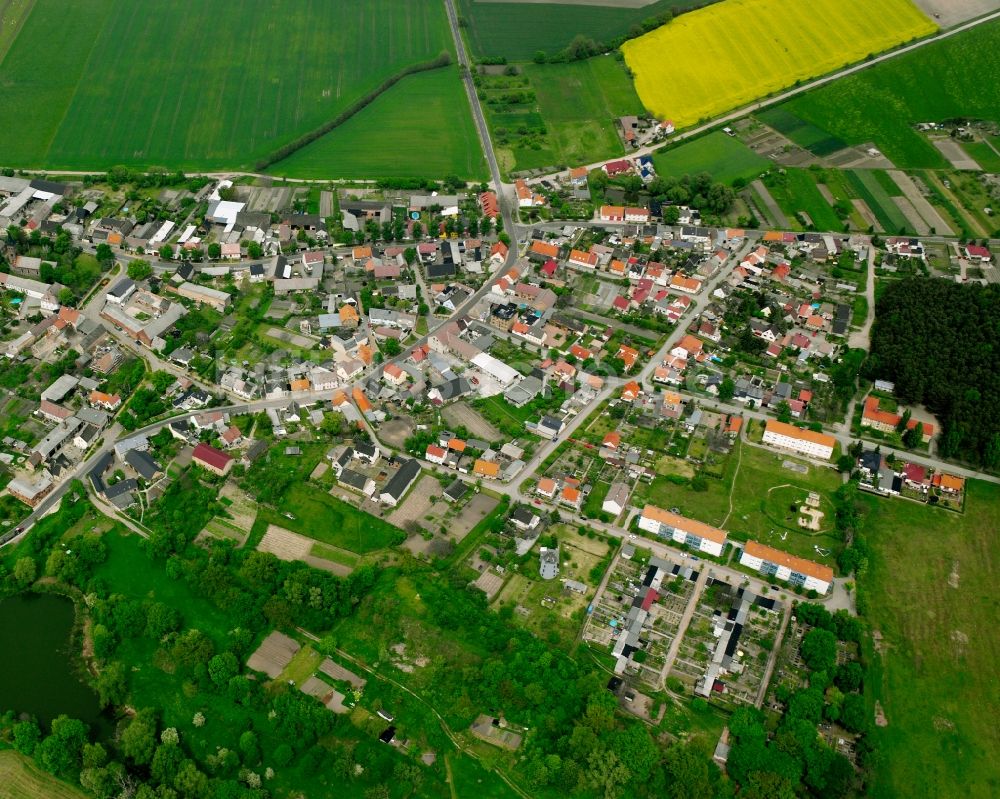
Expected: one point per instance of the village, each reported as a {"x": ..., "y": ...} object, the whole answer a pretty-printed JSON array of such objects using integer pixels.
[{"x": 579, "y": 416}]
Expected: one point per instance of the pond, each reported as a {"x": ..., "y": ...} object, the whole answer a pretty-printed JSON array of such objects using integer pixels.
[{"x": 37, "y": 667}]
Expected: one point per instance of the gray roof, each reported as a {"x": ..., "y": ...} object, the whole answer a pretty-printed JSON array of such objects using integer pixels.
[
  {"x": 122, "y": 287},
  {"x": 353, "y": 479},
  {"x": 402, "y": 479},
  {"x": 142, "y": 463}
]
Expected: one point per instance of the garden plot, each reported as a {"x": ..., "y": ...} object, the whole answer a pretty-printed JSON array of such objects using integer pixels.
[
  {"x": 274, "y": 654},
  {"x": 460, "y": 414},
  {"x": 742, "y": 675},
  {"x": 289, "y": 546}
]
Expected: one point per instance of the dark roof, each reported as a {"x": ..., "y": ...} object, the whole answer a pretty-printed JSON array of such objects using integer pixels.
[
  {"x": 387, "y": 736},
  {"x": 255, "y": 450},
  {"x": 96, "y": 473},
  {"x": 456, "y": 490},
  {"x": 49, "y": 186},
  {"x": 365, "y": 449},
  {"x": 121, "y": 287},
  {"x": 142, "y": 463},
  {"x": 401, "y": 480},
  {"x": 440, "y": 270},
  {"x": 120, "y": 488},
  {"x": 185, "y": 271},
  {"x": 353, "y": 479},
  {"x": 522, "y": 515}
]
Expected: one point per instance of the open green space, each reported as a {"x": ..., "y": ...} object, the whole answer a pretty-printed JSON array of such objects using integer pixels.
[
  {"x": 517, "y": 31},
  {"x": 931, "y": 593},
  {"x": 724, "y": 157},
  {"x": 20, "y": 778},
  {"x": 795, "y": 191},
  {"x": 208, "y": 85},
  {"x": 13, "y": 13},
  {"x": 956, "y": 77},
  {"x": 329, "y": 520},
  {"x": 421, "y": 127}
]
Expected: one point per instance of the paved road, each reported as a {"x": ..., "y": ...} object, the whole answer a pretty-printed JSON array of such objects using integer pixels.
[{"x": 797, "y": 90}]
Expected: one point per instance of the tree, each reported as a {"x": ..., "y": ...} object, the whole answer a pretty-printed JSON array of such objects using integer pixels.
[
  {"x": 250, "y": 748},
  {"x": 223, "y": 667},
  {"x": 61, "y": 753},
  {"x": 392, "y": 347},
  {"x": 25, "y": 571},
  {"x": 215, "y": 251},
  {"x": 727, "y": 389},
  {"x": 819, "y": 650},
  {"x": 26, "y": 737},
  {"x": 283, "y": 755},
  {"x": 138, "y": 742},
  {"x": 140, "y": 270},
  {"x": 167, "y": 252},
  {"x": 254, "y": 250},
  {"x": 111, "y": 685},
  {"x": 853, "y": 715},
  {"x": 687, "y": 772},
  {"x": 784, "y": 412}
]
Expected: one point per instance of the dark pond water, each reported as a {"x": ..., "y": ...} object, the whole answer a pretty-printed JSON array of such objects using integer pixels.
[{"x": 38, "y": 671}]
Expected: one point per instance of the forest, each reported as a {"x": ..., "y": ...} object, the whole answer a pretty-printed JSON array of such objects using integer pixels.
[{"x": 938, "y": 341}]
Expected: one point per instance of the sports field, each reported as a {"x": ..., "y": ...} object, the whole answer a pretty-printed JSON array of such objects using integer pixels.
[
  {"x": 421, "y": 127},
  {"x": 931, "y": 586},
  {"x": 202, "y": 85},
  {"x": 726, "y": 55},
  {"x": 723, "y": 157},
  {"x": 956, "y": 77}
]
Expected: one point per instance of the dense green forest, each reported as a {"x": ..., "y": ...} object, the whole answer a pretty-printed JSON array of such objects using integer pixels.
[{"x": 939, "y": 342}]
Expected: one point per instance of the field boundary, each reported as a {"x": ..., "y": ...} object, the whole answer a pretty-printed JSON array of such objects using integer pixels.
[{"x": 443, "y": 60}]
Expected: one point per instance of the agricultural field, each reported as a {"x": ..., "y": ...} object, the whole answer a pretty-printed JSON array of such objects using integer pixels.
[
  {"x": 875, "y": 194},
  {"x": 957, "y": 77},
  {"x": 802, "y": 41},
  {"x": 547, "y": 115},
  {"x": 930, "y": 588},
  {"x": 796, "y": 192},
  {"x": 724, "y": 157},
  {"x": 429, "y": 108},
  {"x": 518, "y": 30},
  {"x": 210, "y": 85},
  {"x": 20, "y": 778}
]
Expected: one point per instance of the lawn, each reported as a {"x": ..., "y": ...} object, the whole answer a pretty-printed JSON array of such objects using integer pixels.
[
  {"x": 20, "y": 778},
  {"x": 724, "y": 157},
  {"x": 957, "y": 77},
  {"x": 518, "y": 30},
  {"x": 984, "y": 155},
  {"x": 931, "y": 586},
  {"x": 197, "y": 86},
  {"x": 801, "y": 40},
  {"x": 329, "y": 520},
  {"x": 421, "y": 127}
]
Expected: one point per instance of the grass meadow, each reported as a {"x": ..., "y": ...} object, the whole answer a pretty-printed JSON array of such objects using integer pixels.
[
  {"x": 931, "y": 586},
  {"x": 795, "y": 191},
  {"x": 725, "y": 158},
  {"x": 329, "y": 520},
  {"x": 197, "y": 86},
  {"x": 759, "y": 47},
  {"x": 518, "y": 30},
  {"x": 869, "y": 189},
  {"x": 421, "y": 127},
  {"x": 957, "y": 77}
]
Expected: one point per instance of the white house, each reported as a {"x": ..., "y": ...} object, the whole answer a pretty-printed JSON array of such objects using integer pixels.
[
  {"x": 805, "y": 442},
  {"x": 773, "y": 563},
  {"x": 616, "y": 500},
  {"x": 699, "y": 535}
]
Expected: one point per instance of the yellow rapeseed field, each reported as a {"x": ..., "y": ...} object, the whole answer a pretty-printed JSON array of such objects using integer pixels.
[{"x": 730, "y": 53}]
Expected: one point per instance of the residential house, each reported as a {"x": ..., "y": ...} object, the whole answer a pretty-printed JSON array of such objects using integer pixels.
[
  {"x": 616, "y": 499},
  {"x": 804, "y": 442},
  {"x": 690, "y": 532},
  {"x": 394, "y": 491},
  {"x": 212, "y": 459}
]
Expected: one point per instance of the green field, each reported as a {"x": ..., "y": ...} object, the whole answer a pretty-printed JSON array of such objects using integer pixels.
[
  {"x": 795, "y": 191},
  {"x": 984, "y": 154},
  {"x": 802, "y": 133},
  {"x": 329, "y": 520},
  {"x": 421, "y": 127},
  {"x": 580, "y": 103},
  {"x": 197, "y": 86},
  {"x": 869, "y": 189},
  {"x": 724, "y": 157},
  {"x": 20, "y": 778},
  {"x": 931, "y": 586},
  {"x": 516, "y": 31},
  {"x": 957, "y": 77}
]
